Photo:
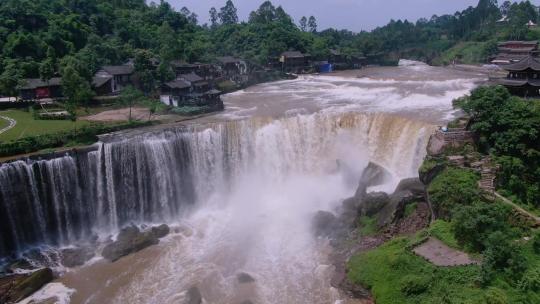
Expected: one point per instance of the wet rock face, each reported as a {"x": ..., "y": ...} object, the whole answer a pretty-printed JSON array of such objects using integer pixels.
[
  {"x": 428, "y": 176},
  {"x": 131, "y": 240},
  {"x": 244, "y": 278},
  {"x": 373, "y": 175},
  {"x": 324, "y": 223},
  {"x": 75, "y": 257},
  {"x": 17, "y": 287},
  {"x": 373, "y": 203},
  {"x": 161, "y": 231},
  {"x": 194, "y": 296}
]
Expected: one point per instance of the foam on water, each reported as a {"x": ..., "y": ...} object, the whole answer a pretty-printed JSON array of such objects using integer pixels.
[
  {"x": 57, "y": 291},
  {"x": 412, "y": 89}
]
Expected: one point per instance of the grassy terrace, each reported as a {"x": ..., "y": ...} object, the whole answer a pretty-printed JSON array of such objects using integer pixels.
[
  {"x": 27, "y": 126},
  {"x": 3, "y": 123},
  {"x": 394, "y": 274}
]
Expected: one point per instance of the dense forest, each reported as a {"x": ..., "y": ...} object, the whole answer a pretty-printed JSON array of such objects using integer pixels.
[{"x": 44, "y": 38}]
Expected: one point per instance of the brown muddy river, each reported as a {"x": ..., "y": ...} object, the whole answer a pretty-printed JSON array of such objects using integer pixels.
[{"x": 279, "y": 143}]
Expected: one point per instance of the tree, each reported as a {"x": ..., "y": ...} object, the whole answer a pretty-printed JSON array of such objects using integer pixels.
[
  {"x": 505, "y": 8},
  {"x": 303, "y": 24},
  {"x": 453, "y": 188},
  {"x": 502, "y": 254},
  {"x": 46, "y": 70},
  {"x": 213, "y": 17},
  {"x": 145, "y": 70},
  {"x": 76, "y": 89},
  {"x": 191, "y": 17},
  {"x": 312, "y": 24},
  {"x": 266, "y": 13},
  {"x": 228, "y": 14},
  {"x": 473, "y": 224},
  {"x": 48, "y": 67},
  {"x": 129, "y": 97},
  {"x": 507, "y": 126},
  {"x": 10, "y": 77}
]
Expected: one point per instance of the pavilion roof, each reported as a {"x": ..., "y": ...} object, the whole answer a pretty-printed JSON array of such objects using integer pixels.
[
  {"x": 509, "y": 82},
  {"x": 526, "y": 63}
]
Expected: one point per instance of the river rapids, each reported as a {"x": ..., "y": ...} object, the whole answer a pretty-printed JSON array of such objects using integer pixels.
[{"x": 239, "y": 188}]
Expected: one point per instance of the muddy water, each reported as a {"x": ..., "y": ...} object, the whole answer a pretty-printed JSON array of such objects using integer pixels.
[{"x": 285, "y": 138}]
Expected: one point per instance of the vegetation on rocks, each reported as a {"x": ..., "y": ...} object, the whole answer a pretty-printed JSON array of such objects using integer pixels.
[
  {"x": 470, "y": 219},
  {"x": 508, "y": 127},
  {"x": 452, "y": 188}
]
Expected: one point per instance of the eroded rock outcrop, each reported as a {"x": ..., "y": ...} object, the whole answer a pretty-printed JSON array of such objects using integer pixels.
[
  {"x": 75, "y": 257},
  {"x": 131, "y": 239},
  {"x": 194, "y": 296},
  {"x": 17, "y": 287}
]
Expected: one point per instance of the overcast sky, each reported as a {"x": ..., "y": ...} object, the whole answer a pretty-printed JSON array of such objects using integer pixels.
[{"x": 354, "y": 15}]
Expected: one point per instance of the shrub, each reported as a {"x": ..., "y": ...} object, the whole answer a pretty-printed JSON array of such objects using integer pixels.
[
  {"x": 454, "y": 187},
  {"x": 531, "y": 280},
  {"x": 413, "y": 285},
  {"x": 85, "y": 135},
  {"x": 495, "y": 296},
  {"x": 473, "y": 225},
  {"x": 536, "y": 243},
  {"x": 502, "y": 255}
]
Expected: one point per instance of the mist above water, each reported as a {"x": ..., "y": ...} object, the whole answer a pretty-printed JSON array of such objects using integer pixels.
[{"x": 243, "y": 189}]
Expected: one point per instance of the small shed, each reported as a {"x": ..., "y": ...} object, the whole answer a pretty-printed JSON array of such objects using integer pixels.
[{"x": 35, "y": 88}]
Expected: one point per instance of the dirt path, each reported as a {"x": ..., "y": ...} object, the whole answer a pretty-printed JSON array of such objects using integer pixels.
[
  {"x": 518, "y": 208},
  {"x": 137, "y": 113},
  {"x": 439, "y": 254},
  {"x": 12, "y": 123}
]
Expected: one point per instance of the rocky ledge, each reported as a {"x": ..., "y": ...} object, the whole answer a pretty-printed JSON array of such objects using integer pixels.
[
  {"x": 131, "y": 239},
  {"x": 16, "y": 287},
  {"x": 388, "y": 213}
]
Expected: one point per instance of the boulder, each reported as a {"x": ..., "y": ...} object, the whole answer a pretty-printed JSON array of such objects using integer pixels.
[
  {"x": 429, "y": 174},
  {"x": 129, "y": 240},
  {"x": 373, "y": 175},
  {"x": 161, "y": 231},
  {"x": 75, "y": 257},
  {"x": 244, "y": 278},
  {"x": 18, "y": 287},
  {"x": 194, "y": 296},
  {"x": 395, "y": 208},
  {"x": 414, "y": 185},
  {"x": 373, "y": 203},
  {"x": 324, "y": 223},
  {"x": 20, "y": 264}
]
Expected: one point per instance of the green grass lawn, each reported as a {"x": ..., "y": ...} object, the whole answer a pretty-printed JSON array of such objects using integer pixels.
[
  {"x": 395, "y": 275},
  {"x": 3, "y": 123},
  {"x": 27, "y": 126}
]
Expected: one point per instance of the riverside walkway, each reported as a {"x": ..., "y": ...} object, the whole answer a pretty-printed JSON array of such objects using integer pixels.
[{"x": 12, "y": 123}]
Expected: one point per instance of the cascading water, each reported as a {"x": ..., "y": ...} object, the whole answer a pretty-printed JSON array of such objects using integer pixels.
[
  {"x": 155, "y": 177},
  {"x": 259, "y": 175},
  {"x": 246, "y": 190}
]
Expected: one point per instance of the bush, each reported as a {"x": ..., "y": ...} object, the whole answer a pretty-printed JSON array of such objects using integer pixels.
[
  {"x": 84, "y": 135},
  {"x": 413, "y": 285},
  {"x": 443, "y": 231},
  {"x": 502, "y": 255},
  {"x": 531, "y": 280},
  {"x": 508, "y": 127},
  {"x": 454, "y": 187},
  {"x": 495, "y": 296},
  {"x": 473, "y": 225},
  {"x": 536, "y": 243}
]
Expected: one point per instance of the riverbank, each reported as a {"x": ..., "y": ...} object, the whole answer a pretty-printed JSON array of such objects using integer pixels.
[{"x": 477, "y": 247}]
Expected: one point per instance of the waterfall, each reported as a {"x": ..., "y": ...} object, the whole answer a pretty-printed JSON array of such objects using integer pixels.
[{"x": 158, "y": 176}]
